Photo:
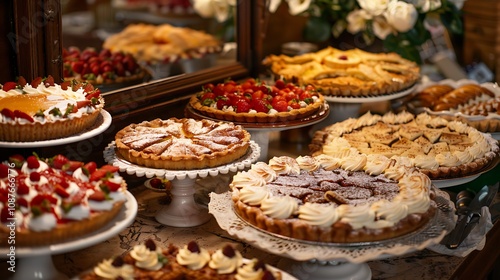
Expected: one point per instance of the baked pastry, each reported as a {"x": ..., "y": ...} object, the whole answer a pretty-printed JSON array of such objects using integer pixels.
[
  {"x": 162, "y": 43},
  {"x": 149, "y": 261},
  {"x": 48, "y": 201},
  {"x": 44, "y": 110},
  {"x": 441, "y": 149},
  {"x": 350, "y": 199},
  {"x": 182, "y": 143},
  {"x": 101, "y": 67},
  {"x": 347, "y": 73},
  {"x": 257, "y": 102}
]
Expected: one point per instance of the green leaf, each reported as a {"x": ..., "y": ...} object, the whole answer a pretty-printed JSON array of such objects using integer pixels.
[{"x": 317, "y": 30}]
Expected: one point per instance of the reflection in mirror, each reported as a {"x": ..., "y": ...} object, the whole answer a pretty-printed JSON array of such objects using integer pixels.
[{"x": 120, "y": 43}]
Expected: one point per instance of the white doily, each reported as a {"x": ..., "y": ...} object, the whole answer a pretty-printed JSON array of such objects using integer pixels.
[{"x": 222, "y": 208}]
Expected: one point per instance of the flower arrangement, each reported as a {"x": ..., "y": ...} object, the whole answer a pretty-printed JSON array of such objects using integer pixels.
[{"x": 402, "y": 25}]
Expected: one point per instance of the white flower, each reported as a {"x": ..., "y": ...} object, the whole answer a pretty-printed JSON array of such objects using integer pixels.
[
  {"x": 295, "y": 7},
  {"x": 374, "y": 7},
  {"x": 381, "y": 28},
  {"x": 273, "y": 5},
  {"x": 214, "y": 8},
  {"x": 401, "y": 15},
  {"x": 357, "y": 21}
]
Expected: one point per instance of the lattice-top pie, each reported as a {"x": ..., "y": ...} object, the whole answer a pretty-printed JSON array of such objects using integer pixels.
[
  {"x": 182, "y": 143},
  {"x": 347, "y": 73},
  {"x": 439, "y": 148}
]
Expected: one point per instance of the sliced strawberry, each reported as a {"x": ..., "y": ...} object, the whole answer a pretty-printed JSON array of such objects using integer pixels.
[
  {"x": 4, "y": 171},
  {"x": 72, "y": 165},
  {"x": 33, "y": 162},
  {"x": 78, "y": 197},
  {"x": 59, "y": 190},
  {"x": 58, "y": 161},
  {"x": 83, "y": 103},
  {"x": 23, "y": 115},
  {"x": 93, "y": 95},
  {"x": 110, "y": 168},
  {"x": 37, "y": 81},
  {"x": 97, "y": 196},
  {"x": 8, "y": 113},
  {"x": 97, "y": 175},
  {"x": 89, "y": 168},
  {"x": 112, "y": 186},
  {"x": 43, "y": 200},
  {"x": 9, "y": 85},
  {"x": 65, "y": 85}
]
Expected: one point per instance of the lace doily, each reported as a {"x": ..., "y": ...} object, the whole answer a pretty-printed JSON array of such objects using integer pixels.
[{"x": 221, "y": 207}]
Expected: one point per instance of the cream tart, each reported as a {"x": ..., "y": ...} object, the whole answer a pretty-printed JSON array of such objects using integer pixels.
[
  {"x": 43, "y": 110},
  {"x": 54, "y": 200},
  {"x": 182, "y": 144}
]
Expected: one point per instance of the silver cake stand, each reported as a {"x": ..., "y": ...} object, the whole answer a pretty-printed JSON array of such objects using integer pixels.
[
  {"x": 182, "y": 211},
  {"x": 322, "y": 261}
]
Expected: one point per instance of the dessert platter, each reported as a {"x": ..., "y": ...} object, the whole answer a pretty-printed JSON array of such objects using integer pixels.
[
  {"x": 63, "y": 205},
  {"x": 259, "y": 107},
  {"x": 190, "y": 261},
  {"x": 230, "y": 150},
  {"x": 341, "y": 211},
  {"x": 448, "y": 152},
  {"x": 465, "y": 100}
]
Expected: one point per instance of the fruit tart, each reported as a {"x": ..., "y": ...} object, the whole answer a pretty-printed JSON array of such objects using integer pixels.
[
  {"x": 101, "y": 67},
  {"x": 53, "y": 200},
  {"x": 254, "y": 101},
  {"x": 44, "y": 110}
]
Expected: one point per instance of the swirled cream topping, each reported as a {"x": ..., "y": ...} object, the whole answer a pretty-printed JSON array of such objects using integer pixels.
[
  {"x": 248, "y": 272},
  {"x": 376, "y": 164},
  {"x": 339, "y": 147},
  {"x": 279, "y": 207},
  {"x": 389, "y": 213},
  {"x": 107, "y": 270},
  {"x": 318, "y": 214},
  {"x": 225, "y": 264},
  {"x": 447, "y": 159},
  {"x": 425, "y": 162},
  {"x": 354, "y": 162},
  {"x": 145, "y": 258},
  {"x": 247, "y": 178},
  {"x": 253, "y": 195},
  {"x": 328, "y": 162},
  {"x": 193, "y": 260},
  {"x": 283, "y": 165},
  {"x": 264, "y": 171},
  {"x": 307, "y": 163}
]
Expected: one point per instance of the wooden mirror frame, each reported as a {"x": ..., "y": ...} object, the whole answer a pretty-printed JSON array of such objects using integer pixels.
[{"x": 37, "y": 27}]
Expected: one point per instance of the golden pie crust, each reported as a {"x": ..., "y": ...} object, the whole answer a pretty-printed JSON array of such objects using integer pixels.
[
  {"x": 347, "y": 73},
  {"x": 344, "y": 204},
  {"x": 180, "y": 144},
  {"x": 440, "y": 148}
]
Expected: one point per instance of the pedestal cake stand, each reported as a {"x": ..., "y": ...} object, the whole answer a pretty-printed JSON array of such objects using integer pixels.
[
  {"x": 322, "y": 261},
  {"x": 182, "y": 211},
  {"x": 36, "y": 262}
]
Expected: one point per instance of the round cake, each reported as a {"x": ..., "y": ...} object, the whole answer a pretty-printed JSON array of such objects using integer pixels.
[
  {"x": 48, "y": 201},
  {"x": 182, "y": 144},
  {"x": 357, "y": 198},
  {"x": 347, "y": 73},
  {"x": 149, "y": 261},
  {"x": 43, "y": 110},
  {"x": 439, "y": 148},
  {"x": 257, "y": 102}
]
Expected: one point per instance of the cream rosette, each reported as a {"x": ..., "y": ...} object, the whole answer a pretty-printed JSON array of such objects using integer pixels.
[
  {"x": 318, "y": 214},
  {"x": 224, "y": 264},
  {"x": 107, "y": 270},
  {"x": 308, "y": 163},
  {"x": 284, "y": 165},
  {"x": 376, "y": 164},
  {"x": 247, "y": 178},
  {"x": 328, "y": 162},
  {"x": 279, "y": 207},
  {"x": 145, "y": 258},
  {"x": 426, "y": 162},
  {"x": 253, "y": 195},
  {"x": 193, "y": 260},
  {"x": 265, "y": 171},
  {"x": 355, "y": 162}
]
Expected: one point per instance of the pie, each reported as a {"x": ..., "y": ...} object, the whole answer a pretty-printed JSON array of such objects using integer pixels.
[
  {"x": 349, "y": 73},
  {"x": 254, "y": 101},
  {"x": 149, "y": 261},
  {"x": 54, "y": 200},
  {"x": 478, "y": 105},
  {"x": 182, "y": 143},
  {"x": 441, "y": 149},
  {"x": 44, "y": 110},
  {"x": 349, "y": 199}
]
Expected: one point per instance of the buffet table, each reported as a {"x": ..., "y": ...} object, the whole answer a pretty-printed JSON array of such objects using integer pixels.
[{"x": 425, "y": 264}]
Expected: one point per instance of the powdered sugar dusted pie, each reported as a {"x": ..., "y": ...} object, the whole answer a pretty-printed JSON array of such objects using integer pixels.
[
  {"x": 357, "y": 198},
  {"x": 48, "y": 201},
  {"x": 440, "y": 148},
  {"x": 347, "y": 73},
  {"x": 44, "y": 110},
  {"x": 182, "y": 143}
]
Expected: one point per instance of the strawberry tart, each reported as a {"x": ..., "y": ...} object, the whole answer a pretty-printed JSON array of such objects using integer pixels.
[
  {"x": 43, "y": 110},
  {"x": 47, "y": 201}
]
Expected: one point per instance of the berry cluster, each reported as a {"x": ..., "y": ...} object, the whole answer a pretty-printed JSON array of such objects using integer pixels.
[{"x": 257, "y": 96}]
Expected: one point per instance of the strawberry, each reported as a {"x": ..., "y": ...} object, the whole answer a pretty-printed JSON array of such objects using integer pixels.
[
  {"x": 97, "y": 175},
  {"x": 58, "y": 161},
  {"x": 89, "y": 168},
  {"x": 49, "y": 81},
  {"x": 21, "y": 81},
  {"x": 32, "y": 162},
  {"x": 281, "y": 106},
  {"x": 260, "y": 105},
  {"x": 6, "y": 214},
  {"x": 110, "y": 168},
  {"x": 23, "y": 115},
  {"x": 17, "y": 160},
  {"x": 59, "y": 190},
  {"x": 4, "y": 171},
  {"x": 9, "y": 85},
  {"x": 72, "y": 165},
  {"x": 111, "y": 186},
  {"x": 35, "y": 176},
  {"x": 242, "y": 106},
  {"x": 8, "y": 113},
  {"x": 42, "y": 203},
  {"x": 83, "y": 103},
  {"x": 37, "y": 81},
  {"x": 22, "y": 202},
  {"x": 65, "y": 85},
  {"x": 97, "y": 196},
  {"x": 22, "y": 188}
]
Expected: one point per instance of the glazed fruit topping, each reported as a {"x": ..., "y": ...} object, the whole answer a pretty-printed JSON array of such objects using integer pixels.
[
  {"x": 35, "y": 176},
  {"x": 150, "y": 244},
  {"x": 193, "y": 247},
  {"x": 118, "y": 261},
  {"x": 257, "y": 96},
  {"x": 228, "y": 251}
]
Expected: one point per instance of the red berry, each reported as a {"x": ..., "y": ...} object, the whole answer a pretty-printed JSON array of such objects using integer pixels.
[
  {"x": 97, "y": 196},
  {"x": 261, "y": 106},
  {"x": 280, "y": 106},
  {"x": 35, "y": 176},
  {"x": 8, "y": 113},
  {"x": 37, "y": 81},
  {"x": 4, "y": 171},
  {"x": 33, "y": 162},
  {"x": 23, "y": 115},
  {"x": 9, "y": 85},
  {"x": 193, "y": 247},
  {"x": 242, "y": 106},
  {"x": 59, "y": 161}
]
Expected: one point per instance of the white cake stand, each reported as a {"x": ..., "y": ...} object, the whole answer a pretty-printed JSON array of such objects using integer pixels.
[
  {"x": 260, "y": 132},
  {"x": 36, "y": 262},
  {"x": 322, "y": 261},
  {"x": 182, "y": 211}
]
